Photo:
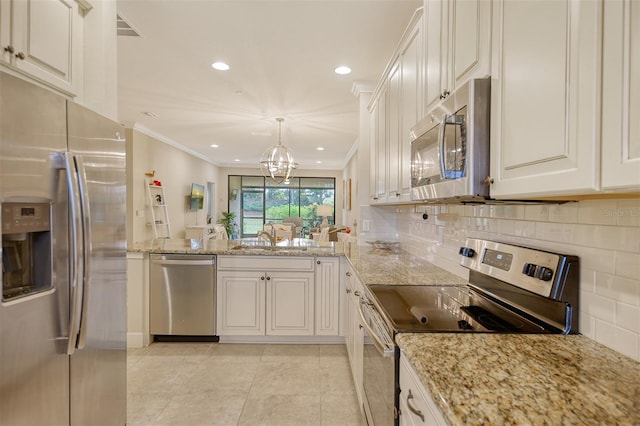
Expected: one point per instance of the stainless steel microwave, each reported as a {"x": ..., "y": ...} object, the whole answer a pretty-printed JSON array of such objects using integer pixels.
[{"x": 450, "y": 147}]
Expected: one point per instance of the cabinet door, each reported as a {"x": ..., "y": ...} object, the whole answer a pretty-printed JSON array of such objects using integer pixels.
[
  {"x": 393, "y": 133},
  {"x": 327, "y": 298},
  {"x": 241, "y": 302},
  {"x": 545, "y": 98},
  {"x": 358, "y": 351},
  {"x": 381, "y": 147},
  {"x": 45, "y": 37},
  {"x": 411, "y": 102},
  {"x": 435, "y": 13},
  {"x": 373, "y": 152},
  {"x": 621, "y": 96},
  {"x": 470, "y": 47},
  {"x": 290, "y": 303}
]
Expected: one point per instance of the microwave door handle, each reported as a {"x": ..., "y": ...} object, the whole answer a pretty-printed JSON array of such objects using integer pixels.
[
  {"x": 76, "y": 282},
  {"x": 441, "y": 152}
]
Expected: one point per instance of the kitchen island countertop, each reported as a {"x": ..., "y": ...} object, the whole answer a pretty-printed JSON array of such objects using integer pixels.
[
  {"x": 497, "y": 379},
  {"x": 372, "y": 265}
]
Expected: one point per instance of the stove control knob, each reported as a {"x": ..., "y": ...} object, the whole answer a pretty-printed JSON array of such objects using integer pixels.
[
  {"x": 529, "y": 269},
  {"x": 545, "y": 274},
  {"x": 466, "y": 251}
]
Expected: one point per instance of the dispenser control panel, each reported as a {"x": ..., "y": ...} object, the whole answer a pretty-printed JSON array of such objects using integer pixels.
[{"x": 25, "y": 217}]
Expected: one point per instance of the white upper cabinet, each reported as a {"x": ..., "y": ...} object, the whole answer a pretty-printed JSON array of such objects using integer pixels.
[
  {"x": 411, "y": 66},
  {"x": 393, "y": 133},
  {"x": 457, "y": 45},
  {"x": 395, "y": 107},
  {"x": 435, "y": 18},
  {"x": 545, "y": 98},
  {"x": 470, "y": 41},
  {"x": 621, "y": 96},
  {"x": 378, "y": 186},
  {"x": 43, "y": 40}
]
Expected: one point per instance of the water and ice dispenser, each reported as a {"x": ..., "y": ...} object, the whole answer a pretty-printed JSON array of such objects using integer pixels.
[{"x": 26, "y": 249}]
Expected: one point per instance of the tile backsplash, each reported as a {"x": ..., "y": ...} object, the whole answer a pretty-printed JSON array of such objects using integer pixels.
[{"x": 605, "y": 234}]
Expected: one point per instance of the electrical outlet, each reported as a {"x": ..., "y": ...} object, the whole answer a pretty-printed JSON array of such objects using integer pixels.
[
  {"x": 366, "y": 225},
  {"x": 140, "y": 213}
]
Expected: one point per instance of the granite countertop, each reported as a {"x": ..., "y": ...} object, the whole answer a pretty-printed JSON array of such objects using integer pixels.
[
  {"x": 497, "y": 379},
  {"x": 373, "y": 265},
  {"x": 249, "y": 246}
]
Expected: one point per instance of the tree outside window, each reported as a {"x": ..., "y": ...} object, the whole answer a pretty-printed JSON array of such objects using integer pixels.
[{"x": 257, "y": 201}]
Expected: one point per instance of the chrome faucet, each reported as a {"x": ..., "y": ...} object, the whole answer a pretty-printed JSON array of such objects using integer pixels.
[{"x": 268, "y": 236}]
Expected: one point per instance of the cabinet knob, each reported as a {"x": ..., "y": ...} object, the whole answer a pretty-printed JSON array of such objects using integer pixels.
[
  {"x": 348, "y": 291},
  {"x": 20, "y": 55},
  {"x": 262, "y": 278},
  {"x": 9, "y": 49},
  {"x": 318, "y": 262},
  {"x": 348, "y": 274},
  {"x": 488, "y": 181},
  {"x": 268, "y": 278}
]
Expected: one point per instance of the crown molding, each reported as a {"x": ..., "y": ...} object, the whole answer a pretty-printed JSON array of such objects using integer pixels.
[
  {"x": 142, "y": 129},
  {"x": 362, "y": 86}
]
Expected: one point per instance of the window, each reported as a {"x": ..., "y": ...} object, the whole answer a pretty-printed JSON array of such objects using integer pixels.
[{"x": 256, "y": 201}]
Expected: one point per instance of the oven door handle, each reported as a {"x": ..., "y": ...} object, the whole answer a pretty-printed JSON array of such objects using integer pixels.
[{"x": 384, "y": 349}]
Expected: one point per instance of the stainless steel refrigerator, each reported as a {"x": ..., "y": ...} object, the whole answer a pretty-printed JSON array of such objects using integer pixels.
[{"x": 63, "y": 308}]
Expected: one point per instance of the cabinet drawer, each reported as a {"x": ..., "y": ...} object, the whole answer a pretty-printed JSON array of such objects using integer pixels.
[
  {"x": 266, "y": 263},
  {"x": 416, "y": 405}
]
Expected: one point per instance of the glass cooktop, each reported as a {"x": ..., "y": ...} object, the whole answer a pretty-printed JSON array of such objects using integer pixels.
[{"x": 446, "y": 309}]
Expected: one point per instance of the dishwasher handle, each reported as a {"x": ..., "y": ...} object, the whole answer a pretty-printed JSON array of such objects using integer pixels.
[{"x": 183, "y": 262}]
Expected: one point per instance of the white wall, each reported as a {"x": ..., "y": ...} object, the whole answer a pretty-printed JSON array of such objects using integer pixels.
[
  {"x": 605, "y": 234},
  {"x": 177, "y": 170}
]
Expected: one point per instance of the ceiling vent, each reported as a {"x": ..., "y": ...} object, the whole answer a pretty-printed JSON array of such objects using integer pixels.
[{"x": 124, "y": 29}]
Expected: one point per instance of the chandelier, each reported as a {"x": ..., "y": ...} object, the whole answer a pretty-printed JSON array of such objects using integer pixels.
[{"x": 277, "y": 161}]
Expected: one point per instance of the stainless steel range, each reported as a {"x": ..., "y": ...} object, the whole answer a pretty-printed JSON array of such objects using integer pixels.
[{"x": 511, "y": 289}]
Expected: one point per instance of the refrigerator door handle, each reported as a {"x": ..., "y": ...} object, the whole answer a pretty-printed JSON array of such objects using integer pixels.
[
  {"x": 76, "y": 283},
  {"x": 86, "y": 252}
]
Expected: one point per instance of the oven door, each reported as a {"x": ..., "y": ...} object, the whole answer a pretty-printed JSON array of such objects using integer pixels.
[{"x": 379, "y": 367}]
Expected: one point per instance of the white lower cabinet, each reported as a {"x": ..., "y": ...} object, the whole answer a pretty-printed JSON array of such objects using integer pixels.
[
  {"x": 278, "y": 296},
  {"x": 241, "y": 303},
  {"x": 416, "y": 405},
  {"x": 289, "y": 303},
  {"x": 327, "y": 297},
  {"x": 354, "y": 333}
]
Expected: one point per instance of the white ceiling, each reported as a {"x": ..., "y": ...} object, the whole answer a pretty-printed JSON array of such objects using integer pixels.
[{"x": 282, "y": 56}]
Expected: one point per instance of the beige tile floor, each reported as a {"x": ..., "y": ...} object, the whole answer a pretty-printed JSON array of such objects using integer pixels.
[{"x": 193, "y": 384}]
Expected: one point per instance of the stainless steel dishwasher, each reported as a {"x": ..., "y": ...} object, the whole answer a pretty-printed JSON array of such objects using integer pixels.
[{"x": 182, "y": 296}]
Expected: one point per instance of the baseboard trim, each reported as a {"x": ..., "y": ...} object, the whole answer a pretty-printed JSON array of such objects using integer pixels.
[{"x": 300, "y": 340}]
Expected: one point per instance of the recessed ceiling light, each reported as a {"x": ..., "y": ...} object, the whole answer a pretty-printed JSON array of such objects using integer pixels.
[
  {"x": 220, "y": 66},
  {"x": 237, "y": 160},
  {"x": 342, "y": 70},
  {"x": 318, "y": 162},
  {"x": 320, "y": 148},
  {"x": 213, "y": 145},
  {"x": 150, "y": 114}
]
